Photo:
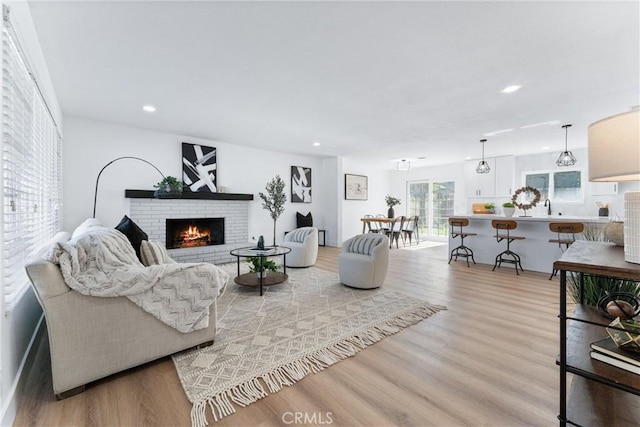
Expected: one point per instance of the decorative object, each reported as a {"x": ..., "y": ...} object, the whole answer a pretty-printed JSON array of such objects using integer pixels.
[
  {"x": 614, "y": 232},
  {"x": 403, "y": 165},
  {"x": 629, "y": 337},
  {"x": 391, "y": 202},
  {"x": 566, "y": 158},
  {"x": 614, "y": 155},
  {"x": 483, "y": 167},
  {"x": 531, "y": 203},
  {"x": 95, "y": 194},
  {"x": 300, "y": 184},
  {"x": 508, "y": 209},
  {"x": 619, "y": 304},
  {"x": 261, "y": 243},
  {"x": 310, "y": 324},
  {"x": 199, "y": 167},
  {"x": 355, "y": 187},
  {"x": 168, "y": 188},
  {"x": 603, "y": 209},
  {"x": 274, "y": 200}
]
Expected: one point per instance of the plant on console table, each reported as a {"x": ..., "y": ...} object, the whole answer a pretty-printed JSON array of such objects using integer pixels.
[
  {"x": 508, "y": 208},
  {"x": 391, "y": 202},
  {"x": 260, "y": 269},
  {"x": 274, "y": 201},
  {"x": 169, "y": 187}
]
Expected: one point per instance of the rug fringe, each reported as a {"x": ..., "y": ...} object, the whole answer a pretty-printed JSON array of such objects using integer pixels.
[{"x": 288, "y": 374}]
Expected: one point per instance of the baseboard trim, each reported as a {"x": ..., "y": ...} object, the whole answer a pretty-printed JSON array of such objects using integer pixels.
[{"x": 9, "y": 407}]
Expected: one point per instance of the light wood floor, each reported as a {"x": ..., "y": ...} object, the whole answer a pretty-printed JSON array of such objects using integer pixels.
[{"x": 489, "y": 360}]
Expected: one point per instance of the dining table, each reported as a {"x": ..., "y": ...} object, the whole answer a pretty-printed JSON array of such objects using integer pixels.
[{"x": 378, "y": 220}]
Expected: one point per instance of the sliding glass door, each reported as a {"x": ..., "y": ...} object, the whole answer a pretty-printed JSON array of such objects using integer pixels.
[{"x": 432, "y": 202}]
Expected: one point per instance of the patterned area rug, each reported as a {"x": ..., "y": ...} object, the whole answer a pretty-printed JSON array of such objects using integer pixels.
[{"x": 298, "y": 327}]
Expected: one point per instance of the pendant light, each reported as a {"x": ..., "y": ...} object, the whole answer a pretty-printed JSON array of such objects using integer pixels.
[
  {"x": 404, "y": 165},
  {"x": 566, "y": 158},
  {"x": 483, "y": 167}
]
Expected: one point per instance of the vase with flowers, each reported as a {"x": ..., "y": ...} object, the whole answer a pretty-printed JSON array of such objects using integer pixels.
[{"x": 391, "y": 202}]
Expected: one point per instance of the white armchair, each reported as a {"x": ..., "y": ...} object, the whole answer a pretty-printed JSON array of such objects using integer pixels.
[
  {"x": 364, "y": 260},
  {"x": 304, "y": 247}
]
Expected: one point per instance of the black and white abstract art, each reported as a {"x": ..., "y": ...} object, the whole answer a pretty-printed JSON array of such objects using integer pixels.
[
  {"x": 199, "y": 167},
  {"x": 300, "y": 184}
]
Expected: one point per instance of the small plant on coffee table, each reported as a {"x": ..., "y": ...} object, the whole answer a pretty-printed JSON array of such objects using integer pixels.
[{"x": 267, "y": 264}]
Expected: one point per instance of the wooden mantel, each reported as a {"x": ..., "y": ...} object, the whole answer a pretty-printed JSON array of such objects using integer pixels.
[{"x": 148, "y": 194}]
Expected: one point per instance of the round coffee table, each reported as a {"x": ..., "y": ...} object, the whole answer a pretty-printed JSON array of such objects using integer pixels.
[{"x": 268, "y": 277}]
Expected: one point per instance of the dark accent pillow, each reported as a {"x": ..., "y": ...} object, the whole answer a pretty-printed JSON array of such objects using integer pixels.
[
  {"x": 133, "y": 233},
  {"x": 304, "y": 220}
]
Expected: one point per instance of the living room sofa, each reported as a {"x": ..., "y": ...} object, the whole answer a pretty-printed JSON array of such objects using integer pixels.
[{"x": 93, "y": 337}]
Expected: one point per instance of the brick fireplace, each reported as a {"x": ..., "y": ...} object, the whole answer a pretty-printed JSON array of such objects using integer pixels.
[{"x": 152, "y": 214}]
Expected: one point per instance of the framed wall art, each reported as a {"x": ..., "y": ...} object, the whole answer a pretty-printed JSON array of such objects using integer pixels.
[
  {"x": 199, "y": 168},
  {"x": 300, "y": 184},
  {"x": 355, "y": 187}
]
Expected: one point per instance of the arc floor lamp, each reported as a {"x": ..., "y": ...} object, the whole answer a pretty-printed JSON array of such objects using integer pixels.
[{"x": 95, "y": 195}]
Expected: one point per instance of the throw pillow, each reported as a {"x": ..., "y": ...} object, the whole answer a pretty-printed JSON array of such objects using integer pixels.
[
  {"x": 133, "y": 233},
  {"x": 154, "y": 253},
  {"x": 299, "y": 235},
  {"x": 304, "y": 220},
  {"x": 364, "y": 244}
]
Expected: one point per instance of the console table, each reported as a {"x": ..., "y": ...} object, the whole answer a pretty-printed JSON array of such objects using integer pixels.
[{"x": 600, "y": 394}]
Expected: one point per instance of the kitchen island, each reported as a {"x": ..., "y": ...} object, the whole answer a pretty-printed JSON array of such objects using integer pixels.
[{"x": 536, "y": 253}]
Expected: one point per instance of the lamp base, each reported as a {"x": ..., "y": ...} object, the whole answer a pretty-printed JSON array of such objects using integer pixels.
[{"x": 632, "y": 227}]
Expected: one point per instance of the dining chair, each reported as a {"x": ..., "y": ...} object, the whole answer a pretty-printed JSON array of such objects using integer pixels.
[
  {"x": 372, "y": 226},
  {"x": 383, "y": 227},
  {"x": 411, "y": 227},
  {"x": 395, "y": 231}
]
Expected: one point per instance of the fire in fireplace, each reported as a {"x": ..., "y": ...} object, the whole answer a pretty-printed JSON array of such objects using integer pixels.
[{"x": 194, "y": 232}]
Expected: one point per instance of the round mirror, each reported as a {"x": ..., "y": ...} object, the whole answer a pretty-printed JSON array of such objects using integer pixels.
[{"x": 526, "y": 197}]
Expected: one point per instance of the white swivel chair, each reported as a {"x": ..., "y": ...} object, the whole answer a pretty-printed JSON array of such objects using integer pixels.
[
  {"x": 364, "y": 260},
  {"x": 304, "y": 247}
]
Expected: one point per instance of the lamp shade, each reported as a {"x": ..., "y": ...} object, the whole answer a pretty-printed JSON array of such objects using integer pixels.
[{"x": 614, "y": 148}]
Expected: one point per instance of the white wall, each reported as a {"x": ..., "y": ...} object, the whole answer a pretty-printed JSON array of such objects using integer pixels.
[
  {"x": 89, "y": 145},
  {"x": 353, "y": 210},
  {"x": 17, "y": 329}
]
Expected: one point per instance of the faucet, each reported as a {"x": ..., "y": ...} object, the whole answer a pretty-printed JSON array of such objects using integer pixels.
[{"x": 545, "y": 205}]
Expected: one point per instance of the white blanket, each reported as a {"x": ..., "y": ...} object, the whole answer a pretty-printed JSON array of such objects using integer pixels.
[{"x": 100, "y": 261}]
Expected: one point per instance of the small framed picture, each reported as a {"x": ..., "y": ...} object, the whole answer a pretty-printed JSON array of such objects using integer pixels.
[
  {"x": 355, "y": 187},
  {"x": 300, "y": 184}
]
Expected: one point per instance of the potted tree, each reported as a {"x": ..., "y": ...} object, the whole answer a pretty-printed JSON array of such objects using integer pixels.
[
  {"x": 261, "y": 269},
  {"x": 169, "y": 187},
  {"x": 508, "y": 208},
  {"x": 391, "y": 202},
  {"x": 274, "y": 201}
]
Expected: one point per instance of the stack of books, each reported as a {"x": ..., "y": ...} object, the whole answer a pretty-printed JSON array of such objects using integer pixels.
[{"x": 606, "y": 351}]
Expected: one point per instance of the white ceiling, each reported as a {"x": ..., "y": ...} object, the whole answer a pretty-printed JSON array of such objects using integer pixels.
[{"x": 378, "y": 80}]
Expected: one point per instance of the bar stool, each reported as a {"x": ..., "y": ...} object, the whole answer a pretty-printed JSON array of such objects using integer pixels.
[
  {"x": 566, "y": 232},
  {"x": 505, "y": 225},
  {"x": 462, "y": 250}
]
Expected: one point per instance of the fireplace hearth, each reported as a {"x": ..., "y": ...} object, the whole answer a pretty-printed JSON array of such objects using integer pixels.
[{"x": 194, "y": 232}]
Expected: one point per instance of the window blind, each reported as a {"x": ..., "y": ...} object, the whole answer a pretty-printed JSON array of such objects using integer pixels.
[{"x": 31, "y": 169}]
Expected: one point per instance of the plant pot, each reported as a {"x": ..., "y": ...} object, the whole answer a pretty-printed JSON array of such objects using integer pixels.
[
  {"x": 390, "y": 213},
  {"x": 261, "y": 274},
  {"x": 508, "y": 211},
  {"x": 161, "y": 193}
]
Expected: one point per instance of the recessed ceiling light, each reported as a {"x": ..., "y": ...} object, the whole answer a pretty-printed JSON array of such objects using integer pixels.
[
  {"x": 421, "y": 158},
  {"x": 511, "y": 89},
  {"x": 316, "y": 144},
  {"x": 149, "y": 108},
  {"x": 546, "y": 147},
  {"x": 468, "y": 158}
]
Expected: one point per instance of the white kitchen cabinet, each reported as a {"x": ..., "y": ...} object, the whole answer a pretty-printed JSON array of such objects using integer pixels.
[
  {"x": 505, "y": 174},
  {"x": 480, "y": 184},
  {"x": 603, "y": 188}
]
